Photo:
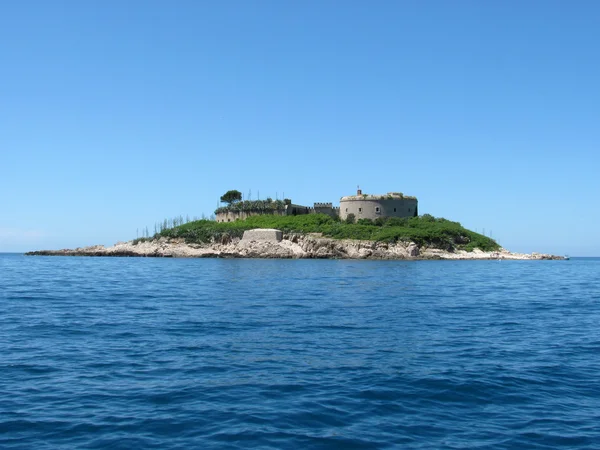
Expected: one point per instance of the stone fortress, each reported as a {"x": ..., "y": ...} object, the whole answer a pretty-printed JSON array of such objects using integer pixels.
[
  {"x": 362, "y": 206},
  {"x": 365, "y": 206}
]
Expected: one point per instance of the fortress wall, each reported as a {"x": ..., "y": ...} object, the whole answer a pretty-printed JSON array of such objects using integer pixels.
[
  {"x": 325, "y": 208},
  {"x": 367, "y": 209},
  {"x": 290, "y": 210},
  {"x": 232, "y": 216},
  {"x": 296, "y": 210}
]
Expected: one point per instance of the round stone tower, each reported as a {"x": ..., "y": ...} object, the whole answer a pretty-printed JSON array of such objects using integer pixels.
[{"x": 365, "y": 206}]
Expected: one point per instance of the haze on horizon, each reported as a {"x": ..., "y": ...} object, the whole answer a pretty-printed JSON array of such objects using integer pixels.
[{"x": 116, "y": 115}]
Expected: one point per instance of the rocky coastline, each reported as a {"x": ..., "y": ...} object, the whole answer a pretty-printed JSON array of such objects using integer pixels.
[{"x": 274, "y": 244}]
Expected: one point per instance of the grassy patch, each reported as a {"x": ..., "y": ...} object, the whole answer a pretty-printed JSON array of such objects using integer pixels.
[{"x": 424, "y": 230}]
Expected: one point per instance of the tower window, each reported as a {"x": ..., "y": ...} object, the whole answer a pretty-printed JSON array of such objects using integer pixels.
[
  {"x": 394, "y": 209},
  {"x": 359, "y": 209},
  {"x": 377, "y": 209}
]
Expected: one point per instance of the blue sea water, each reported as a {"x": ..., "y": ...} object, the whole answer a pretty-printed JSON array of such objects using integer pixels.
[{"x": 236, "y": 354}]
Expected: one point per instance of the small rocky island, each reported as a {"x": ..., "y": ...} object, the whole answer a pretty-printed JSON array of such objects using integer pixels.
[
  {"x": 271, "y": 243},
  {"x": 362, "y": 227}
]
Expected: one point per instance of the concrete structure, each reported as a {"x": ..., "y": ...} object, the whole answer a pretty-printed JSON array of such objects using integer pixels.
[
  {"x": 263, "y": 235},
  {"x": 364, "y": 206}
]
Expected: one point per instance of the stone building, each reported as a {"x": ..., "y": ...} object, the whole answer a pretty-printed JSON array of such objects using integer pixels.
[
  {"x": 243, "y": 210},
  {"x": 326, "y": 208},
  {"x": 365, "y": 206}
]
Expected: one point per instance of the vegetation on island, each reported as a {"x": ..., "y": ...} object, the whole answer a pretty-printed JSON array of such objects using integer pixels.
[
  {"x": 264, "y": 206},
  {"x": 424, "y": 230}
]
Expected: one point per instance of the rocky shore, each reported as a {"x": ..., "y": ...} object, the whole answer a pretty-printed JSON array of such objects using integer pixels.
[{"x": 273, "y": 244}]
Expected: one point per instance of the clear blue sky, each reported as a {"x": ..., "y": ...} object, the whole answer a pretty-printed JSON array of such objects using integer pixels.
[{"x": 118, "y": 114}]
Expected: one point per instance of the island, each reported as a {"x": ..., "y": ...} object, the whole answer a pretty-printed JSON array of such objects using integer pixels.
[{"x": 362, "y": 227}]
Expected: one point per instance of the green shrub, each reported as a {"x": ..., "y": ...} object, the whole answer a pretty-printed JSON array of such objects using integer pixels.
[
  {"x": 395, "y": 222},
  {"x": 425, "y": 230},
  {"x": 364, "y": 222}
]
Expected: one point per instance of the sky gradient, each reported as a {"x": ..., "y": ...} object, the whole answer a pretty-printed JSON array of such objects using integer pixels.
[{"x": 115, "y": 115}]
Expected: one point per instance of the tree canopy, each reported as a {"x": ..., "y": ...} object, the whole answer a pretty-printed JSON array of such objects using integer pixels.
[{"x": 230, "y": 197}]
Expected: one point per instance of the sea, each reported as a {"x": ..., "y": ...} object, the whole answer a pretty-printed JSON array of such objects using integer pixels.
[{"x": 150, "y": 353}]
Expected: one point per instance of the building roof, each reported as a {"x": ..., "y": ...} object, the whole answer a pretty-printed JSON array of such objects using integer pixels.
[{"x": 388, "y": 196}]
